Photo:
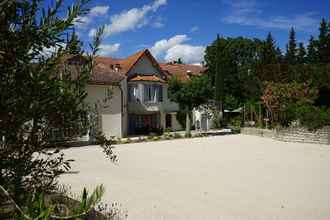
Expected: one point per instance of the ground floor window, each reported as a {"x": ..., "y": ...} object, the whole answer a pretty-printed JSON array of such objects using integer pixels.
[{"x": 144, "y": 124}]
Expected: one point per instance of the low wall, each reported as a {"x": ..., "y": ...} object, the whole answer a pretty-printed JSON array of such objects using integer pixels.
[{"x": 303, "y": 135}]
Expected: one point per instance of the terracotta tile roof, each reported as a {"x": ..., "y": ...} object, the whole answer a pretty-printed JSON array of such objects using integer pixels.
[
  {"x": 101, "y": 73},
  {"x": 104, "y": 75},
  {"x": 125, "y": 64},
  {"x": 152, "y": 78},
  {"x": 105, "y": 71},
  {"x": 182, "y": 70}
]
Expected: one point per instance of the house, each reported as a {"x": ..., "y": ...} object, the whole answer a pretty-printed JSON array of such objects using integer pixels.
[{"x": 137, "y": 85}]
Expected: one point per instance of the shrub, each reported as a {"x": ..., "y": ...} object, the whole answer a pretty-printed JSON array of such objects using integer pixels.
[
  {"x": 156, "y": 138},
  {"x": 313, "y": 117}
]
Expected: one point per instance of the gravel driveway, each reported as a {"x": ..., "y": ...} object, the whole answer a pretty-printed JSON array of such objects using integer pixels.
[{"x": 224, "y": 177}]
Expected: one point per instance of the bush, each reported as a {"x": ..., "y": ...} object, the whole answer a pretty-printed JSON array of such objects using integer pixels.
[{"x": 313, "y": 117}]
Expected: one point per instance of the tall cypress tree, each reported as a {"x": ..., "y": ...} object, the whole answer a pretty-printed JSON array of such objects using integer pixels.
[
  {"x": 219, "y": 79},
  {"x": 312, "y": 53},
  {"x": 291, "y": 51},
  {"x": 301, "y": 57},
  {"x": 324, "y": 42}
]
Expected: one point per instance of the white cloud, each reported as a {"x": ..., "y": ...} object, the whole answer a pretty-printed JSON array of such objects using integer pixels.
[
  {"x": 188, "y": 53},
  {"x": 162, "y": 46},
  {"x": 108, "y": 49},
  {"x": 84, "y": 21},
  {"x": 99, "y": 10},
  {"x": 132, "y": 19},
  {"x": 248, "y": 13},
  {"x": 158, "y": 22},
  {"x": 173, "y": 48},
  {"x": 92, "y": 32},
  {"x": 194, "y": 29}
]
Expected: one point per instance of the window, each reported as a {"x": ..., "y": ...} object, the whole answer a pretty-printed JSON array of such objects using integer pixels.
[
  {"x": 132, "y": 92},
  {"x": 153, "y": 93}
]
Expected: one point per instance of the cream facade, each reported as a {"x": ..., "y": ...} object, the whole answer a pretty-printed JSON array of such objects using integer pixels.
[{"x": 138, "y": 104}]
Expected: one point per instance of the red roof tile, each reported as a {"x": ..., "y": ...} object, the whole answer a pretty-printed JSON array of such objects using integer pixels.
[
  {"x": 182, "y": 71},
  {"x": 152, "y": 78}
]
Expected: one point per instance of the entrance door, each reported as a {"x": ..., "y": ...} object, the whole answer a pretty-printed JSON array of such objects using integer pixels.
[{"x": 143, "y": 124}]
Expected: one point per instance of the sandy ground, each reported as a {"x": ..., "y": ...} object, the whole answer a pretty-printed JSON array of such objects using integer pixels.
[{"x": 224, "y": 177}]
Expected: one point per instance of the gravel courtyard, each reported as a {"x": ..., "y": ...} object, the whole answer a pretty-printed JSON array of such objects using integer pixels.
[{"x": 225, "y": 177}]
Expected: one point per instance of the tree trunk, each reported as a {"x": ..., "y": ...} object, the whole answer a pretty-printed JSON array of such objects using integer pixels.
[{"x": 187, "y": 122}]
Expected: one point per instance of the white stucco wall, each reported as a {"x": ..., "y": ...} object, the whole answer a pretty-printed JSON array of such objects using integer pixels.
[{"x": 110, "y": 111}]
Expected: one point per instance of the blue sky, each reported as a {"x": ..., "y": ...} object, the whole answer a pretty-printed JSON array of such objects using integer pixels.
[{"x": 183, "y": 28}]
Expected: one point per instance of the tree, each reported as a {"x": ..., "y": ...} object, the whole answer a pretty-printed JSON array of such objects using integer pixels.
[
  {"x": 189, "y": 94},
  {"x": 312, "y": 51},
  {"x": 38, "y": 95},
  {"x": 221, "y": 62},
  {"x": 75, "y": 46},
  {"x": 301, "y": 57},
  {"x": 324, "y": 42},
  {"x": 279, "y": 97},
  {"x": 269, "y": 52},
  {"x": 179, "y": 61},
  {"x": 238, "y": 59},
  {"x": 291, "y": 52}
]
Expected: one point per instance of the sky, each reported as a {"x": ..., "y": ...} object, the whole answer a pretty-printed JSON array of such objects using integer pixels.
[{"x": 183, "y": 28}]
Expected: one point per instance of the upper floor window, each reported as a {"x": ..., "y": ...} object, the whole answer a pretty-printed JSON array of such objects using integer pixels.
[
  {"x": 153, "y": 93},
  {"x": 132, "y": 92}
]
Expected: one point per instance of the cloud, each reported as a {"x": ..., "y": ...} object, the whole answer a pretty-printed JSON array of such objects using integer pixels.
[
  {"x": 84, "y": 21},
  {"x": 173, "y": 48},
  {"x": 132, "y": 19},
  {"x": 188, "y": 53},
  {"x": 99, "y": 10},
  {"x": 162, "y": 46},
  {"x": 108, "y": 49},
  {"x": 248, "y": 13},
  {"x": 158, "y": 22},
  {"x": 194, "y": 29}
]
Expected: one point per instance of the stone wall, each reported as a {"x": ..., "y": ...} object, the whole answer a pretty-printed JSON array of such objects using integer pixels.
[{"x": 303, "y": 135}]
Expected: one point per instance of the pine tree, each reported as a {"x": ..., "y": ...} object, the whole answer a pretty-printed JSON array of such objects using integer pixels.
[
  {"x": 312, "y": 53},
  {"x": 269, "y": 54},
  {"x": 291, "y": 51},
  {"x": 279, "y": 55},
  {"x": 301, "y": 58},
  {"x": 324, "y": 42}
]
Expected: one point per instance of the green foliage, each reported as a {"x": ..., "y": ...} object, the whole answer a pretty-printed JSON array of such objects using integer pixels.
[
  {"x": 231, "y": 102},
  {"x": 301, "y": 56},
  {"x": 313, "y": 117},
  {"x": 222, "y": 61},
  {"x": 189, "y": 94},
  {"x": 237, "y": 59},
  {"x": 216, "y": 120},
  {"x": 39, "y": 92},
  {"x": 291, "y": 51},
  {"x": 279, "y": 97},
  {"x": 75, "y": 46},
  {"x": 312, "y": 54},
  {"x": 269, "y": 53},
  {"x": 324, "y": 42}
]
